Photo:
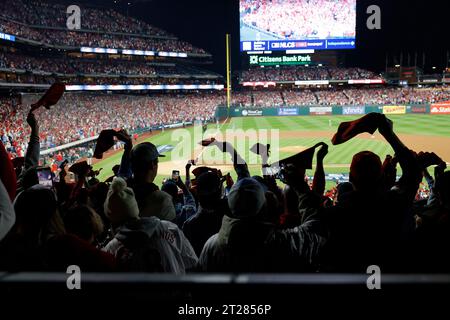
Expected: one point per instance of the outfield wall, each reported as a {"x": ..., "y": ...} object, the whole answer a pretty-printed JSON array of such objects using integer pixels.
[{"x": 222, "y": 111}]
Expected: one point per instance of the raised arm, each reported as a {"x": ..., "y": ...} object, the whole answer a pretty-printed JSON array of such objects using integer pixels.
[
  {"x": 240, "y": 166},
  {"x": 319, "y": 175},
  {"x": 411, "y": 169},
  {"x": 125, "y": 165},
  {"x": 33, "y": 150},
  {"x": 188, "y": 174}
]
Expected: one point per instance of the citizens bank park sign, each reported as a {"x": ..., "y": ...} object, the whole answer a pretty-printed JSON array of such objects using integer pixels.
[{"x": 287, "y": 60}]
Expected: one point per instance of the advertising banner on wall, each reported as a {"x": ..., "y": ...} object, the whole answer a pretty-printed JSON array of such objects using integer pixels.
[
  {"x": 441, "y": 108},
  {"x": 417, "y": 109},
  {"x": 394, "y": 109},
  {"x": 353, "y": 110},
  {"x": 287, "y": 111},
  {"x": 251, "y": 113},
  {"x": 320, "y": 110}
]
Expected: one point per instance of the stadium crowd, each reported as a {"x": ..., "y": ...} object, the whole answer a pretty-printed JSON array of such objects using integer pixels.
[
  {"x": 38, "y": 78},
  {"x": 295, "y": 73},
  {"x": 306, "y": 21},
  {"x": 351, "y": 96},
  {"x": 47, "y": 14},
  {"x": 93, "y": 66},
  {"x": 81, "y": 116},
  {"x": 210, "y": 223},
  {"x": 90, "y": 39}
]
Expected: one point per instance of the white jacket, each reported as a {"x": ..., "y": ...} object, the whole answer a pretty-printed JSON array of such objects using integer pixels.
[
  {"x": 7, "y": 215},
  {"x": 177, "y": 254}
]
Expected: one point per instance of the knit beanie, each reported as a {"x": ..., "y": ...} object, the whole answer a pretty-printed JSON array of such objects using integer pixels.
[{"x": 120, "y": 204}]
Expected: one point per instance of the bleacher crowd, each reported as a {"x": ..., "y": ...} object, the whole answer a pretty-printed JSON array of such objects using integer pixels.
[
  {"x": 45, "y": 22},
  {"x": 83, "y": 116},
  {"x": 302, "y": 73}
]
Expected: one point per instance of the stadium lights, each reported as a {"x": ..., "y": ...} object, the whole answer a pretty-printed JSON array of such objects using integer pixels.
[
  {"x": 434, "y": 68},
  {"x": 397, "y": 66}
]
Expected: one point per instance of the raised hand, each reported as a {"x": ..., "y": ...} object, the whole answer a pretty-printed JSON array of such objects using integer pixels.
[
  {"x": 385, "y": 126},
  {"x": 32, "y": 122},
  {"x": 323, "y": 151}
]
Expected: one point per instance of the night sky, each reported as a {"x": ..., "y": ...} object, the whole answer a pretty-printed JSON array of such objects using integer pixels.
[{"x": 408, "y": 26}]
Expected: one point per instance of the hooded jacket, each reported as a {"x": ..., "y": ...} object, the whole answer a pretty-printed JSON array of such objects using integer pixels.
[
  {"x": 250, "y": 245},
  {"x": 162, "y": 239}
]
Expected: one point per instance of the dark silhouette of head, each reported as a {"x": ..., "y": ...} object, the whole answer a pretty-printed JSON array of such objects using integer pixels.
[
  {"x": 144, "y": 162},
  {"x": 171, "y": 188},
  {"x": 365, "y": 171},
  {"x": 209, "y": 189},
  {"x": 443, "y": 189}
]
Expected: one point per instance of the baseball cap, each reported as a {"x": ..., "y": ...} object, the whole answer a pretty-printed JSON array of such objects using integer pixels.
[
  {"x": 246, "y": 198},
  {"x": 144, "y": 153},
  {"x": 208, "y": 183}
]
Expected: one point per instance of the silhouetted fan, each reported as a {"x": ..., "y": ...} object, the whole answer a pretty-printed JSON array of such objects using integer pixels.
[
  {"x": 18, "y": 162},
  {"x": 105, "y": 141},
  {"x": 51, "y": 97},
  {"x": 348, "y": 130},
  {"x": 80, "y": 167},
  {"x": 200, "y": 170}
]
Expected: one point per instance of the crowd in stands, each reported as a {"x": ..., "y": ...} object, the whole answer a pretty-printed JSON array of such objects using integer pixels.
[
  {"x": 331, "y": 97},
  {"x": 81, "y": 116},
  {"x": 355, "y": 96},
  {"x": 97, "y": 40},
  {"x": 210, "y": 223},
  {"x": 36, "y": 78},
  {"x": 300, "y": 19},
  {"x": 91, "y": 66},
  {"x": 20, "y": 18},
  {"x": 241, "y": 98},
  {"x": 393, "y": 96},
  {"x": 303, "y": 97},
  {"x": 303, "y": 73},
  {"x": 267, "y": 98},
  {"x": 47, "y": 14}
]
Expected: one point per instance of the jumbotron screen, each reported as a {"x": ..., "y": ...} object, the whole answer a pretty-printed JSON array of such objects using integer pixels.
[{"x": 272, "y": 25}]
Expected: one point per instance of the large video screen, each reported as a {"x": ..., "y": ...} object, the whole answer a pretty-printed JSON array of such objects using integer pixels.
[{"x": 271, "y": 25}]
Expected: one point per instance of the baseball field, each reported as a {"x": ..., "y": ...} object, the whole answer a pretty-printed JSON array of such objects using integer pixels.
[{"x": 288, "y": 136}]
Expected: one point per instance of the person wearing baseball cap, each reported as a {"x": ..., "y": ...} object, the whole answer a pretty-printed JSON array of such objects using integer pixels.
[
  {"x": 144, "y": 162},
  {"x": 151, "y": 201},
  {"x": 211, "y": 209},
  {"x": 247, "y": 242}
]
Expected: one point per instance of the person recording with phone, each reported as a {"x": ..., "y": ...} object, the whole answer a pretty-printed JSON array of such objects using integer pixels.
[{"x": 183, "y": 200}]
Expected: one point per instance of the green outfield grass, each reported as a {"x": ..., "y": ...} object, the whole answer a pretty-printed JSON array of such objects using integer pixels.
[{"x": 413, "y": 124}]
